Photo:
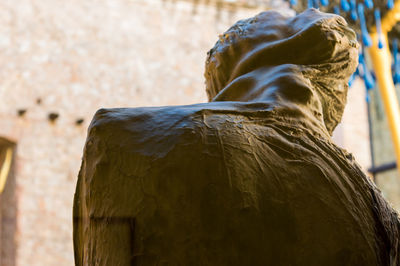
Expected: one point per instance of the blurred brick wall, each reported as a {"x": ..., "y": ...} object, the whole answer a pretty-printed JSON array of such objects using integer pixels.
[
  {"x": 71, "y": 58},
  {"x": 352, "y": 133}
]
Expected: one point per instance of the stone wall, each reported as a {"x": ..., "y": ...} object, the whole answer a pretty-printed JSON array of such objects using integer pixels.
[{"x": 71, "y": 58}]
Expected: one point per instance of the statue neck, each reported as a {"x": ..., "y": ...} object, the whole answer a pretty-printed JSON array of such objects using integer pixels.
[{"x": 284, "y": 88}]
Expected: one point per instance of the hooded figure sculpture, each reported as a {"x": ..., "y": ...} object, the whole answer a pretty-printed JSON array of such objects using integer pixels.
[{"x": 250, "y": 178}]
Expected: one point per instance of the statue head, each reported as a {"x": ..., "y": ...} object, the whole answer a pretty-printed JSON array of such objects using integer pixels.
[{"x": 320, "y": 48}]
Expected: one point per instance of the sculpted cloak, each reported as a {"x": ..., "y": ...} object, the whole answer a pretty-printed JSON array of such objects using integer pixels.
[{"x": 250, "y": 178}]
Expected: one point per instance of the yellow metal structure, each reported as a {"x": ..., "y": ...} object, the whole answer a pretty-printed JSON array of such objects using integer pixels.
[
  {"x": 391, "y": 18},
  {"x": 382, "y": 62},
  {"x": 5, "y": 168}
]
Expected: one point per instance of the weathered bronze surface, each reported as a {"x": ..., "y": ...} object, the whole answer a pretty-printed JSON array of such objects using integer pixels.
[{"x": 250, "y": 178}]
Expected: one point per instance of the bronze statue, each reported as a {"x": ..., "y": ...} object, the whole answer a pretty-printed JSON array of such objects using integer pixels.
[{"x": 250, "y": 178}]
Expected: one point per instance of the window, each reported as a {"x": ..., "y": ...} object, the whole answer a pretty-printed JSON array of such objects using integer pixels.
[
  {"x": 6, "y": 155},
  {"x": 8, "y": 204}
]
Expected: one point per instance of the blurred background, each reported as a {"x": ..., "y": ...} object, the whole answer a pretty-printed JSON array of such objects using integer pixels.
[{"x": 63, "y": 60}]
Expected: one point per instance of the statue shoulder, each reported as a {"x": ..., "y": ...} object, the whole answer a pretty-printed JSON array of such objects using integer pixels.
[
  {"x": 161, "y": 120},
  {"x": 146, "y": 120},
  {"x": 156, "y": 130},
  {"x": 149, "y": 128}
]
